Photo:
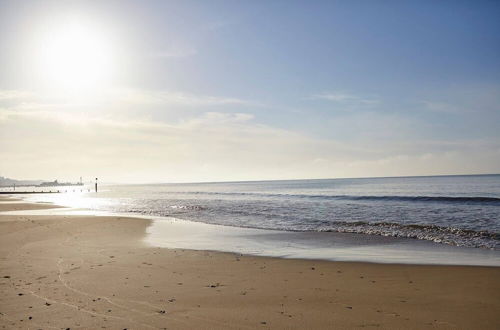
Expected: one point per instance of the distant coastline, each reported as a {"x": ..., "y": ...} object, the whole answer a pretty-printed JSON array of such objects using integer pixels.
[
  {"x": 55, "y": 183},
  {"x": 9, "y": 183}
]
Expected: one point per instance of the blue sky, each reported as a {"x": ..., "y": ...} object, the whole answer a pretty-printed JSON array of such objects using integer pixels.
[{"x": 261, "y": 89}]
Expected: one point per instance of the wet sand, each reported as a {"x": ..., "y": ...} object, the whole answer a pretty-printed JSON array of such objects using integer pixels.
[
  {"x": 18, "y": 206},
  {"x": 88, "y": 272}
]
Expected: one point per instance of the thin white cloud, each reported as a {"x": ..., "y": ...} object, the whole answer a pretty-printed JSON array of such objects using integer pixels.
[
  {"x": 213, "y": 146},
  {"x": 21, "y": 100},
  {"x": 62, "y": 140},
  {"x": 178, "y": 98},
  {"x": 336, "y": 97},
  {"x": 344, "y": 98},
  {"x": 218, "y": 117}
]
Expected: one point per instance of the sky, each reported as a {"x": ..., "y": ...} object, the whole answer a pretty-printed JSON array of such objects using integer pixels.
[{"x": 189, "y": 91}]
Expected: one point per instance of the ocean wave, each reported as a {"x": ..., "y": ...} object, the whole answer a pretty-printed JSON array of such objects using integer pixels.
[
  {"x": 435, "y": 233},
  {"x": 438, "y": 234},
  {"x": 279, "y": 218},
  {"x": 449, "y": 199},
  {"x": 460, "y": 199}
]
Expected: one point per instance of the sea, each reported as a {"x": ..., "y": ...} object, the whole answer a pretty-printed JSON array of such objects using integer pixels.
[{"x": 452, "y": 210}]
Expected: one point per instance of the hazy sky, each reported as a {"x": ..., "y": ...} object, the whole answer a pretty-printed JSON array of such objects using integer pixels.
[{"x": 159, "y": 91}]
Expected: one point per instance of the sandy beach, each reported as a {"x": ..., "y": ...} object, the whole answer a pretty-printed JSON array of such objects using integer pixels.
[
  {"x": 92, "y": 272},
  {"x": 298, "y": 165}
]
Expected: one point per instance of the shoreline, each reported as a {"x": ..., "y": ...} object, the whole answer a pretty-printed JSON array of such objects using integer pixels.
[
  {"x": 196, "y": 236},
  {"x": 18, "y": 207},
  {"x": 170, "y": 232},
  {"x": 409, "y": 216},
  {"x": 80, "y": 271}
]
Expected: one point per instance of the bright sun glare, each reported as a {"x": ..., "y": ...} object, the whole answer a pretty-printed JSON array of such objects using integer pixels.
[{"x": 75, "y": 57}]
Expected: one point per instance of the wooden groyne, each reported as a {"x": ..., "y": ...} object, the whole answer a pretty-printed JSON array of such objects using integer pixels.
[{"x": 28, "y": 192}]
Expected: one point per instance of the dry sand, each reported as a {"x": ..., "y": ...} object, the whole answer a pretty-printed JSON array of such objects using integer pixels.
[{"x": 85, "y": 272}]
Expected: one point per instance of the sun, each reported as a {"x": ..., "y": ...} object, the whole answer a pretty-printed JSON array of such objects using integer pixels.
[{"x": 75, "y": 57}]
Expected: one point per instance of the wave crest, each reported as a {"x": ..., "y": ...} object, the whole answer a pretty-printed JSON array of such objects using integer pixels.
[
  {"x": 438, "y": 234},
  {"x": 450, "y": 199}
]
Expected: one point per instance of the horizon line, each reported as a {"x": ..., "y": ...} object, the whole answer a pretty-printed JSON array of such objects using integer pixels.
[{"x": 306, "y": 179}]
